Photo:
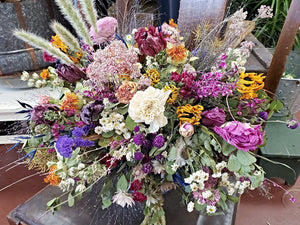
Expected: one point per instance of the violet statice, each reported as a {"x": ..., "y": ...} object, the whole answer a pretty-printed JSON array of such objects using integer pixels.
[
  {"x": 79, "y": 142},
  {"x": 159, "y": 141},
  {"x": 112, "y": 62},
  {"x": 211, "y": 85},
  {"x": 77, "y": 132},
  {"x": 64, "y": 146}
]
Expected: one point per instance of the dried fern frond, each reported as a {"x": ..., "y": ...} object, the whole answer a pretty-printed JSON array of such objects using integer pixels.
[{"x": 42, "y": 43}]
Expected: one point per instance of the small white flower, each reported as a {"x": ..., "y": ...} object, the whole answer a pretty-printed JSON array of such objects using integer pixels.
[
  {"x": 128, "y": 37},
  {"x": 216, "y": 175},
  {"x": 133, "y": 31},
  {"x": 126, "y": 135},
  {"x": 38, "y": 84},
  {"x": 206, "y": 194},
  {"x": 103, "y": 121},
  {"x": 106, "y": 101},
  {"x": 194, "y": 187},
  {"x": 25, "y": 76},
  {"x": 230, "y": 191},
  {"x": 150, "y": 200},
  {"x": 80, "y": 188},
  {"x": 211, "y": 209},
  {"x": 31, "y": 82},
  {"x": 174, "y": 167},
  {"x": 81, "y": 166},
  {"x": 35, "y": 76},
  {"x": 98, "y": 130},
  {"x": 123, "y": 199},
  {"x": 190, "y": 206},
  {"x": 158, "y": 168},
  {"x": 257, "y": 173}
]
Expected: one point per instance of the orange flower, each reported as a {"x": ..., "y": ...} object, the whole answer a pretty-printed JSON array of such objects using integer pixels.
[
  {"x": 153, "y": 75},
  {"x": 52, "y": 178},
  {"x": 172, "y": 23},
  {"x": 71, "y": 102},
  {"x": 45, "y": 74},
  {"x": 177, "y": 53},
  {"x": 249, "y": 84},
  {"x": 77, "y": 58},
  {"x": 190, "y": 114},
  {"x": 57, "y": 42}
]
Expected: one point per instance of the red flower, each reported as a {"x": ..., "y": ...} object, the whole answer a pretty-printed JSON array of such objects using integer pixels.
[
  {"x": 139, "y": 197},
  {"x": 136, "y": 185},
  {"x": 150, "y": 42}
]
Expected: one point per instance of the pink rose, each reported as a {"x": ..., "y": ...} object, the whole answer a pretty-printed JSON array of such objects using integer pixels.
[
  {"x": 214, "y": 117},
  {"x": 241, "y": 135},
  {"x": 150, "y": 42},
  {"x": 186, "y": 129},
  {"x": 106, "y": 30}
]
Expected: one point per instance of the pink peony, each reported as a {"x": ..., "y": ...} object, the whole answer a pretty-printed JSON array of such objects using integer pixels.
[
  {"x": 150, "y": 42},
  {"x": 186, "y": 129},
  {"x": 106, "y": 30},
  {"x": 241, "y": 135}
]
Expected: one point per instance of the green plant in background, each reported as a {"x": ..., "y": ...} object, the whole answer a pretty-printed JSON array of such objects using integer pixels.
[{"x": 267, "y": 31}]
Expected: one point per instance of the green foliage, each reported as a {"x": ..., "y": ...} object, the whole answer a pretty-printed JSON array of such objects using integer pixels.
[
  {"x": 130, "y": 124},
  {"x": 122, "y": 183}
]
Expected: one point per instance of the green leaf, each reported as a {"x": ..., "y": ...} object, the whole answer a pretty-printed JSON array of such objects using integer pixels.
[
  {"x": 108, "y": 134},
  {"x": 199, "y": 207},
  {"x": 122, "y": 110},
  {"x": 169, "y": 168},
  {"x": 256, "y": 180},
  {"x": 130, "y": 124},
  {"x": 223, "y": 204},
  {"x": 172, "y": 154},
  {"x": 245, "y": 158},
  {"x": 51, "y": 202},
  {"x": 245, "y": 169},
  {"x": 106, "y": 202},
  {"x": 205, "y": 160},
  {"x": 234, "y": 164},
  {"x": 227, "y": 148},
  {"x": 122, "y": 183},
  {"x": 71, "y": 200},
  {"x": 234, "y": 199},
  {"x": 153, "y": 150},
  {"x": 103, "y": 142},
  {"x": 107, "y": 188}
]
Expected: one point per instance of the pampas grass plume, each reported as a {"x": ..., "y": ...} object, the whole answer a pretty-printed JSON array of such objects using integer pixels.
[{"x": 89, "y": 11}]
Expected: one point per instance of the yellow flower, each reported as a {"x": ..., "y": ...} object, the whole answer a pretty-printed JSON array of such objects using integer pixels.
[
  {"x": 57, "y": 42},
  {"x": 174, "y": 93},
  {"x": 45, "y": 74},
  {"x": 77, "y": 58},
  {"x": 172, "y": 23},
  {"x": 249, "y": 84},
  {"x": 70, "y": 102},
  {"x": 190, "y": 114},
  {"x": 52, "y": 178},
  {"x": 177, "y": 53},
  {"x": 153, "y": 75}
]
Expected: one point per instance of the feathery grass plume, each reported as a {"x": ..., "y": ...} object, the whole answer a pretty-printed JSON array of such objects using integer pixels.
[
  {"x": 74, "y": 17},
  {"x": 42, "y": 43},
  {"x": 89, "y": 11},
  {"x": 66, "y": 36}
]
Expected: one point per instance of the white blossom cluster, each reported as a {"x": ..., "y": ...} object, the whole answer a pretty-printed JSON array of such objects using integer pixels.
[
  {"x": 112, "y": 121},
  {"x": 197, "y": 179}
]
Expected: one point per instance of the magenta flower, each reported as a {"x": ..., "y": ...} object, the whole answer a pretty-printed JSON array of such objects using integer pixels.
[
  {"x": 150, "y": 42},
  {"x": 241, "y": 135},
  {"x": 106, "y": 29},
  {"x": 214, "y": 117}
]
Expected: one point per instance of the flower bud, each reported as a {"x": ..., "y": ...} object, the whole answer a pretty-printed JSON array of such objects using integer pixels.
[{"x": 186, "y": 129}]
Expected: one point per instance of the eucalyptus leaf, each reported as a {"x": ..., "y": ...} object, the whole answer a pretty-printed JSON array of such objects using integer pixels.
[
  {"x": 234, "y": 164},
  {"x": 227, "y": 148},
  {"x": 245, "y": 158},
  {"x": 106, "y": 202},
  {"x": 130, "y": 124},
  {"x": 108, "y": 134},
  {"x": 169, "y": 168},
  {"x": 199, "y": 207},
  {"x": 122, "y": 183},
  {"x": 234, "y": 199},
  {"x": 71, "y": 200},
  {"x": 172, "y": 154}
]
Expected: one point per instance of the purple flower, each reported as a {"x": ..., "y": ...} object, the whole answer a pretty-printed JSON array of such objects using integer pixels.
[
  {"x": 263, "y": 114},
  {"x": 136, "y": 129},
  {"x": 213, "y": 117},
  {"x": 147, "y": 168},
  {"x": 79, "y": 142},
  {"x": 159, "y": 141},
  {"x": 69, "y": 73},
  {"x": 64, "y": 146},
  {"x": 241, "y": 135},
  {"x": 77, "y": 132},
  {"x": 90, "y": 113},
  {"x": 37, "y": 114},
  {"x": 138, "y": 156},
  {"x": 292, "y": 124},
  {"x": 150, "y": 42},
  {"x": 139, "y": 139}
]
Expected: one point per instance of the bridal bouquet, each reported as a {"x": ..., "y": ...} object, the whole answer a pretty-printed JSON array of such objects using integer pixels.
[{"x": 149, "y": 111}]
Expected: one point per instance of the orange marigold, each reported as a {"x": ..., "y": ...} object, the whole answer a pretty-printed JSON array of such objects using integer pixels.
[
  {"x": 70, "y": 102},
  {"x": 174, "y": 93},
  {"x": 172, "y": 23},
  {"x": 153, "y": 75},
  {"x": 57, "y": 42},
  {"x": 178, "y": 53},
  {"x": 52, "y": 178},
  {"x": 77, "y": 58},
  {"x": 45, "y": 74},
  {"x": 190, "y": 114},
  {"x": 249, "y": 84}
]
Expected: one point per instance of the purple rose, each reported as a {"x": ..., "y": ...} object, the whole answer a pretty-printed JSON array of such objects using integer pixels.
[
  {"x": 69, "y": 73},
  {"x": 37, "y": 114},
  {"x": 214, "y": 117},
  {"x": 150, "y": 42},
  {"x": 241, "y": 135}
]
